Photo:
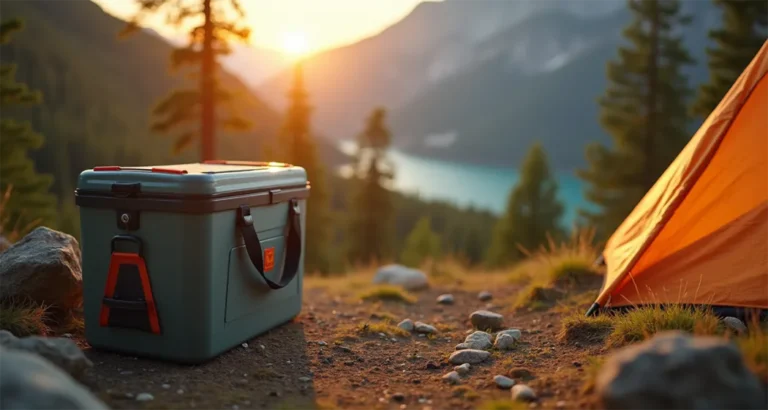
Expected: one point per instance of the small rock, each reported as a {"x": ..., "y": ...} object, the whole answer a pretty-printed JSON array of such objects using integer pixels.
[
  {"x": 424, "y": 328},
  {"x": 245, "y": 345},
  {"x": 521, "y": 392},
  {"x": 304, "y": 379},
  {"x": 462, "y": 369},
  {"x": 485, "y": 296},
  {"x": 446, "y": 299},
  {"x": 561, "y": 404},
  {"x": 406, "y": 324},
  {"x": 483, "y": 319},
  {"x": 400, "y": 397},
  {"x": 478, "y": 340},
  {"x": 180, "y": 391},
  {"x": 322, "y": 343},
  {"x": 262, "y": 347},
  {"x": 515, "y": 333},
  {"x": 463, "y": 346},
  {"x": 166, "y": 386},
  {"x": 735, "y": 324},
  {"x": 503, "y": 382},
  {"x": 504, "y": 342},
  {"x": 470, "y": 356},
  {"x": 452, "y": 378},
  {"x": 393, "y": 340},
  {"x": 144, "y": 397},
  {"x": 398, "y": 275}
]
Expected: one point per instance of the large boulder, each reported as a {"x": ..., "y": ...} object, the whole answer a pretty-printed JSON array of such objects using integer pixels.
[
  {"x": 44, "y": 268},
  {"x": 398, "y": 275},
  {"x": 28, "y": 381},
  {"x": 60, "y": 351},
  {"x": 674, "y": 370}
]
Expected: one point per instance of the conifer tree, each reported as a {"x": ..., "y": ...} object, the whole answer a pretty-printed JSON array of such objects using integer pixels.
[
  {"x": 297, "y": 146},
  {"x": 421, "y": 244},
  {"x": 533, "y": 212},
  {"x": 30, "y": 202},
  {"x": 372, "y": 225},
  {"x": 743, "y": 32},
  {"x": 644, "y": 110},
  {"x": 200, "y": 105}
]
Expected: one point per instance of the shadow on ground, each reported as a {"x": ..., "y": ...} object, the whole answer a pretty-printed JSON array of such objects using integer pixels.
[{"x": 271, "y": 372}]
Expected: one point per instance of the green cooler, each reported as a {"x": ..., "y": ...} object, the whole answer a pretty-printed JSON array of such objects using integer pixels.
[{"x": 184, "y": 262}]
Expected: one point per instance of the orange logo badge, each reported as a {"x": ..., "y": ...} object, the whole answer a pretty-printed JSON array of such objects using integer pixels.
[{"x": 269, "y": 259}]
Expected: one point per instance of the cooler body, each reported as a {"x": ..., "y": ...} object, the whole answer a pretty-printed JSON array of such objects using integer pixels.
[{"x": 184, "y": 262}]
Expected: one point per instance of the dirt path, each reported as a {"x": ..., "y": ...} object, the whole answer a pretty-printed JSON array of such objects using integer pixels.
[{"x": 322, "y": 361}]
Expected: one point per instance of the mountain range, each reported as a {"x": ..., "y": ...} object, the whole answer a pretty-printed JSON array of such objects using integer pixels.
[{"x": 479, "y": 81}]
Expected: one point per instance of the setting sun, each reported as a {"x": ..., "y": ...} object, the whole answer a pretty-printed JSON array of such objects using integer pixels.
[{"x": 295, "y": 43}]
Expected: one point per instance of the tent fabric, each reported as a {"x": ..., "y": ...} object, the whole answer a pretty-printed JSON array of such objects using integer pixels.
[{"x": 700, "y": 234}]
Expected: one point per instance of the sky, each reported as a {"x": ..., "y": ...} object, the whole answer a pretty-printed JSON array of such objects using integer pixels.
[{"x": 298, "y": 26}]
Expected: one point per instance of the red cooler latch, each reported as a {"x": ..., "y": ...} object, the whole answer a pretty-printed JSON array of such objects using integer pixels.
[{"x": 128, "y": 300}]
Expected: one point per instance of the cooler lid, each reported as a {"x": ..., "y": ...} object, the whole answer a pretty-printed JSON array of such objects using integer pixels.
[{"x": 211, "y": 178}]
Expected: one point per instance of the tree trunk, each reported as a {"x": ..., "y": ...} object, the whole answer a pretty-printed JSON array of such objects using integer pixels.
[{"x": 207, "y": 75}]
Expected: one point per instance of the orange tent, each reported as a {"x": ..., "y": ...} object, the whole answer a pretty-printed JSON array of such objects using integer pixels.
[{"x": 700, "y": 234}]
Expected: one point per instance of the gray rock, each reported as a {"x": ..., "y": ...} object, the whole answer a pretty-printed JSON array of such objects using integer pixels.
[
  {"x": 504, "y": 341},
  {"x": 463, "y": 346},
  {"x": 735, "y": 324},
  {"x": 675, "y": 370},
  {"x": 462, "y": 369},
  {"x": 452, "y": 378},
  {"x": 28, "y": 381},
  {"x": 470, "y": 356},
  {"x": 478, "y": 340},
  {"x": 305, "y": 379},
  {"x": 483, "y": 319},
  {"x": 515, "y": 333},
  {"x": 503, "y": 382},
  {"x": 424, "y": 328},
  {"x": 398, "y": 275},
  {"x": 144, "y": 397},
  {"x": 44, "y": 268},
  {"x": 406, "y": 324},
  {"x": 61, "y": 351},
  {"x": 521, "y": 392},
  {"x": 485, "y": 296},
  {"x": 446, "y": 299}
]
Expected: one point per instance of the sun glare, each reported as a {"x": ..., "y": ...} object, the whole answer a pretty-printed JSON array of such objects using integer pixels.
[{"x": 295, "y": 43}]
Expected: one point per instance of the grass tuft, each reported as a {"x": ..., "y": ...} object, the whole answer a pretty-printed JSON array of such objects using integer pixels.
[
  {"x": 388, "y": 293},
  {"x": 370, "y": 329},
  {"x": 643, "y": 322},
  {"x": 580, "y": 329},
  {"x": 754, "y": 349},
  {"x": 24, "y": 318},
  {"x": 503, "y": 404},
  {"x": 464, "y": 392}
]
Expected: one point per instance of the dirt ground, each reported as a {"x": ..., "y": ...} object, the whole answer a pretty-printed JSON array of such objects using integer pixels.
[{"x": 317, "y": 362}]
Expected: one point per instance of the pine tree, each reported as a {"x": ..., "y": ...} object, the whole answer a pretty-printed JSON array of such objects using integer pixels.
[
  {"x": 297, "y": 146},
  {"x": 30, "y": 202},
  {"x": 533, "y": 212},
  {"x": 644, "y": 111},
  {"x": 183, "y": 108},
  {"x": 744, "y": 30},
  {"x": 422, "y": 244},
  {"x": 372, "y": 226}
]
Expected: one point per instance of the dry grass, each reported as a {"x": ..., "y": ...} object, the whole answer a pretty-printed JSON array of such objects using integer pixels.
[
  {"x": 387, "y": 293},
  {"x": 643, "y": 322},
  {"x": 465, "y": 392},
  {"x": 24, "y": 318},
  {"x": 503, "y": 404},
  {"x": 580, "y": 329},
  {"x": 592, "y": 368},
  {"x": 754, "y": 348},
  {"x": 370, "y": 329}
]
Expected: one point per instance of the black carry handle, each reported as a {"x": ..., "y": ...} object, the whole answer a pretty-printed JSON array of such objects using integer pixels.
[
  {"x": 292, "y": 245},
  {"x": 130, "y": 238}
]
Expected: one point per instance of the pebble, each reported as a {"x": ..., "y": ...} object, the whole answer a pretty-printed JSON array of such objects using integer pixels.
[
  {"x": 478, "y": 340},
  {"x": 516, "y": 333},
  {"x": 561, "y": 404},
  {"x": 245, "y": 345},
  {"x": 398, "y": 397},
  {"x": 470, "y": 356},
  {"x": 322, "y": 343},
  {"x": 483, "y": 319},
  {"x": 144, "y": 397},
  {"x": 166, "y": 386},
  {"x": 180, "y": 391},
  {"x": 432, "y": 366},
  {"x": 503, "y": 382},
  {"x": 452, "y": 378},
  {"x": 394, "y": 339},
  {"x": 735, "y": 324},
  {"x": 129, "y": 395},
  {"x": 424, "y": 328},
  {"x": 576, "y": 364},
  {"x": 446, "y": 299},
  {"x": 485, "y": 296},
  {"x": 521, "y": 392},
  {"x": 504, "y": 342},
  {"x": 462, "y": 369},
  {"x": 406, "y": 324},
  {"x": 463, "y": 346}
]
